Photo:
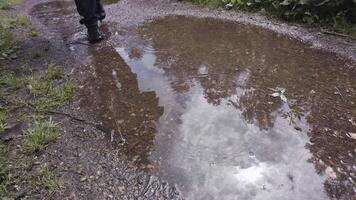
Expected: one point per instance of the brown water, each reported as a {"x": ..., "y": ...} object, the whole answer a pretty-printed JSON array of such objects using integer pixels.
[
  {"x": 222, "y": 135},
  {"x": 190, "y": 101}
]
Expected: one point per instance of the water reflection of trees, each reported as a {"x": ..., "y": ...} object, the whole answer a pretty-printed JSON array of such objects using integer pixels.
[
  {"x": 121, "y": 106},
  {"x": 226, "y": 51}
]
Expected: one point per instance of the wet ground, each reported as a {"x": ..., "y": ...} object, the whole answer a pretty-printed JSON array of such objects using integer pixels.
[{"x": 205, "y": 108}]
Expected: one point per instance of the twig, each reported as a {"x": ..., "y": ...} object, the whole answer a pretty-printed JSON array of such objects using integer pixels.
[
  {"x": 67, "y": 115},
  {"x": 79, "y": 42},
  {"x": 234, "y": 104},
  {"x": 338, "y": 34},
  {"x": 339, "y": 92},
  {"x": 211, "y": 74},
  {"x": 94, "y": 125},
  {"x": 122, "y": 138}
]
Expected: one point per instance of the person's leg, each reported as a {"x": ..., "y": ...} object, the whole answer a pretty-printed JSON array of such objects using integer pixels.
[
  {"x": 87, "y": 9},
  {"x": 100, "y": 10}
]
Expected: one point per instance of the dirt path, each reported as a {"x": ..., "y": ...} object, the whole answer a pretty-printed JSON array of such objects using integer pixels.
[{"x": 184, "y": 102}]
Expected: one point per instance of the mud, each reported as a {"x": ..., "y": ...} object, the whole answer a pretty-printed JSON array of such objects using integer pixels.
[{"x": 186, "y": 107}]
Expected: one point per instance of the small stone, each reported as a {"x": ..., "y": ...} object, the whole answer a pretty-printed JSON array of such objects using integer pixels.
[
  {"x": 84, "y": 178},
  {"x": 298, "y": 128},
  {"x": 330, "y": 173},
  {"x": 352, "y": 135},
  {"x": 149, "y": 166}
]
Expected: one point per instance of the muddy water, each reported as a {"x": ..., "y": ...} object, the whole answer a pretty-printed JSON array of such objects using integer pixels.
[{"x": 222, "y": 134}]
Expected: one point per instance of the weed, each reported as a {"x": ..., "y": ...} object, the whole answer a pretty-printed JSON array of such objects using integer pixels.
[
  {"x": 50, "y": 97},
  {"x": 7, "y": 38},
  {"x": 47, "y": 46},
  {"x": 5, "y": 177},
  {"x": 9, "y": 83},
  {"x": 10, "y": 22},
  {"x": 210, "y": 3},
  {"x": 41, "y": 133},
  {"x": 36, "y": 55},
  {"x": 7, "y": 43},
  {"x": 8, "y": 4},
  {"x": 337, "y": 15},
  {"x": 48, "y": 180},
  {"x": 2, "y": 120},
  {"x": 53, "y": 73},
  {"x": 341, "y": 25},
  {"x": 47, "y": 92},
  {"x": 32, "y": 32}
]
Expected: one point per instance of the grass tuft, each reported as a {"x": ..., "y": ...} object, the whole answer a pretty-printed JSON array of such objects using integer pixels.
[
  {"x": 7, "y": 43},
  {"x": 8, "y": 4},
  {"x": 2, "y": 120},
  {"x": 10, "y": 83},
  {"x": 5, "y": 175},
  {"x": 7, "y": 38},
  {"x": 10, "y": 22},
  {"x": 33, "y": 32},
  {"x": 53, "y": 73},
  {"x": 48, "y": 180},
  {"x": 47, "y": 92},
  {"x": 41, "y": 133}
]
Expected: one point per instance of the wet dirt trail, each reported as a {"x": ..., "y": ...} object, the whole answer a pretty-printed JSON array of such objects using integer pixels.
[{"x": 206, "y": 108}]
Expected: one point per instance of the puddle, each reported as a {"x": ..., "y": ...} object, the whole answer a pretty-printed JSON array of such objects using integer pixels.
[
  {"x": 190, "y": 100},
  {"x": 222, "y": 134}
]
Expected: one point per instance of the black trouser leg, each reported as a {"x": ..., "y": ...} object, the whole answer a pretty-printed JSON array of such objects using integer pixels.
[
  {"x": 100, "y": 10},
  {"x": 87, "y": 9}
]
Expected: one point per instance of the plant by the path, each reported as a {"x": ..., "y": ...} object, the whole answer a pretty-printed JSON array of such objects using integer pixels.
[
  {"x": 338, "y": 15},
  {"x": 41, "y": 133},
  {"x": 31, "y": 95}
]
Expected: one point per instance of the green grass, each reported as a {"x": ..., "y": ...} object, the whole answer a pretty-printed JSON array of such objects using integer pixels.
[
  {"x": 19, "y": 172},
  {"x": 10, "y": 22},
  {"x": 342, "y": 26},
  {"x": 7, "y": 37},
  {"x": 53, "y": 72},
  {"x": 2, "y": 120},
  {"x": 337, "y": 20},
  {"x": 48, "y": 180},
  {"x": 210, "y": 3},
  {"x": 33, "y": 32},
  {"x": 41, "y": 133},
  {"x": 46, "y": 91},
  {"x": 5, "y": 175},
  {"x": 10, "y": 83},
  {"x": 47, "y": 96},
  {"x": 8, "y": 4},
  {"x": 7, "y": 43}
]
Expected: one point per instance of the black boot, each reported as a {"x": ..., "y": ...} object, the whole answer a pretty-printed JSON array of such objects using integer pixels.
[
  {"x": 94, "y": 34},
  {"x": 100, "y": 12}
]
